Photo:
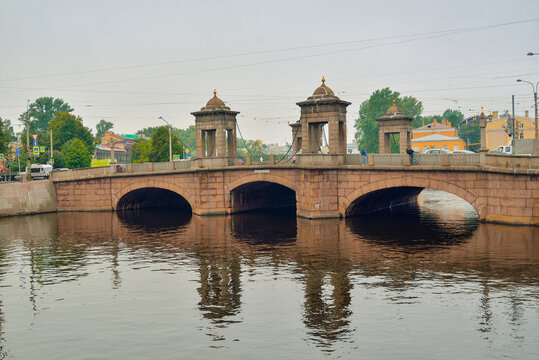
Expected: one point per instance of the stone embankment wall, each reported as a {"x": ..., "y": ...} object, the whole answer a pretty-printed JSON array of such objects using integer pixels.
[{"x": 21, "y": 198}]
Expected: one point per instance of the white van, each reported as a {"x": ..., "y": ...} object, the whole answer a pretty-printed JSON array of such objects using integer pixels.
[{"x": 39, "y": 171}]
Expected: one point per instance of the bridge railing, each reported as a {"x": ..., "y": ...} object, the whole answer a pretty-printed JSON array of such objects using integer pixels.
[
  {"x": 387, "y": 159},
  {"x": 464, "y": 159},
  {"x": 184, "y": 164}
]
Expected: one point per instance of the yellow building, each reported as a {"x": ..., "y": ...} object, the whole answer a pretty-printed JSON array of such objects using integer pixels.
[
  {"x": 437, "y": 135},
  {"x": 496, "y": 134}
]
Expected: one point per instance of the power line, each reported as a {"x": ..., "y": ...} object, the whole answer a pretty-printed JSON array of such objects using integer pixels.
[{"x": 439, "y": 32}]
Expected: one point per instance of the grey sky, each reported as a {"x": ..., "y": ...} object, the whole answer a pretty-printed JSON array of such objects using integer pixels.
[{"x": 360, "y": 46}]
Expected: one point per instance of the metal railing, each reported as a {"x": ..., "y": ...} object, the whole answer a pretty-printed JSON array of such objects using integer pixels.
[{"x": 464, "y": 159}]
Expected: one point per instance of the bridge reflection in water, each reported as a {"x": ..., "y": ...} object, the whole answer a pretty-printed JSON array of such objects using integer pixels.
[{"x": 337, "y": 262}]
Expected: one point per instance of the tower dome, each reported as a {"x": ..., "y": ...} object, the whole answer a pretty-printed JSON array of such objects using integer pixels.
[
  {"x": 323, "y": 90},
  {"x": 215, "y": 103}
]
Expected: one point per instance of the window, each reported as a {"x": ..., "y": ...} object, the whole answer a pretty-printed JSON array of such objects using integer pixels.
[
  {"x": 444, "y": 147},
  {"x": 415, "y": 148},
  {"x": 435, "y": 147},
  {"x": 456, "y": 147},
  {"x": 521, "y": 126},
  {"x": 522, "y": 135}
]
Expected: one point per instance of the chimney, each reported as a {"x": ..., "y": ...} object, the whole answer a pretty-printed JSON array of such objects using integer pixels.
[
  {"x": 494, "y": 115},
  {"x": 526, "y": 113}
]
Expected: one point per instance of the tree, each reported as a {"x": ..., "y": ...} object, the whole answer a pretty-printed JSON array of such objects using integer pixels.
[
  {"x": 66, "y": 127},
  {"x": 77, "y": 155},
  {"x": 42, "y": 111},
  {"x": 188, "y": 138},
  {"x": 5, "y": 136},
  {"x": 376, "y": 106},
  {"x": 454, "y": 117},
  {"x": 148, "y": 132},
  {"x": 159, "y": 151},
  {"x": 59, "y": 158},
  {"x": 101, "y": 127},
  {"x": 471, "y": 134},
  {"x": 140, "y": 152}
]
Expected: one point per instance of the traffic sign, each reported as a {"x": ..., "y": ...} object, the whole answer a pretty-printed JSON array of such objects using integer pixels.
[
  {"x": 51, "y": 161},
  {"x": 34, "y": 136},
  {"x": 35, "y": 142},
  {"x": 187, "y": 151},
  {"x": 35, "y": 150},
  {"x": 176, "y": 157},
  {"x": 42, "y": 149},
  {"x": 1, "y": 156},
  {"x": 18, "y": 151}
]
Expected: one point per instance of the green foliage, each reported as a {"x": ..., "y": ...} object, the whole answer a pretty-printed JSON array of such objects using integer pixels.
[
  {"x": 188, "y": 138},
  {"x": 148, "y": 132},
  {"x": 101, "y": 127},
  {"x": 41, "y": 112},
  {"x": 77, "y": 155},
  {"x": 159, "y": 151},
  {"x": 255, "y": 148},
  {"x": 59, "y": 158},
  {"x": 471, "y": 134},
  {"x": 5, "y": 136},
  {"x": 140, "y": 152},
  {"x": 66, "y": 127},
  {"x": 454, "y": 117},
  {"x": 376, "y": 106}
]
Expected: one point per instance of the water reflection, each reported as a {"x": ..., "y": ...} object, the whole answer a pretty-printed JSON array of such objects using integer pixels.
[{"x": 398, "y": 253}]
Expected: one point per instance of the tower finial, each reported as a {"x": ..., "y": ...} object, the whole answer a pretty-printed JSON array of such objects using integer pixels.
[
  {"x": 482, "y": 113},
  {"x": 323, "y": 79},
  {"x": 214, "y": 92}
]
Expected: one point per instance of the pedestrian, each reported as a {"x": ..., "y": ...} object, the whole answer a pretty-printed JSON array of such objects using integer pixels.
[{"x": 364, "y": 156}]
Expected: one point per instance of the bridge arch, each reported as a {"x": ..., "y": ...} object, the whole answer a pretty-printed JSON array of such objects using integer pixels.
[
  {"x": 142, "y": 184},
  {"x": 260, "y": 191},
  {"x": 412, "y": 183}
]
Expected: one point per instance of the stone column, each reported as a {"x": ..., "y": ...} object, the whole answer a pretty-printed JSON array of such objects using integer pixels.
[
  {"x": 333, "y": 130},
  {"x": 221, "y": 141},
  {"x": 201, "y": 143},
  {"x": 210, "y": 149},
  {"x": 482, "y": 126},
  {"x": 305, "y": 132},
  {"x": 403, "y": 141},
  {"x": 342, "y": 137},
  {"x": 232, "y": 149}
]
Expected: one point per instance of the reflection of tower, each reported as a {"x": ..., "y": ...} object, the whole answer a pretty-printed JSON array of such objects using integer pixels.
[
  {"x": 327, "y": 312},
  {"x": 220, "y": 287},
  {"x": 3, "y": 350}
]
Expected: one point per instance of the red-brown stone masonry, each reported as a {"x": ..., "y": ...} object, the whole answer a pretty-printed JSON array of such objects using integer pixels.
[{"x": 495, "y": 196}]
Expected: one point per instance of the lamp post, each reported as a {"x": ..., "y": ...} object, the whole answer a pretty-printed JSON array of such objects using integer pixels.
[
  {"x": 534, "y": 87},
  {"x": 169, "y": 138}
]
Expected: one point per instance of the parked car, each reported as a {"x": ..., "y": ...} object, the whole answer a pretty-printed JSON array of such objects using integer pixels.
[
  {"x": 463, "y": 152},
  {"x": 506, "y": 149},
  {"x": 438, "y": 151}
]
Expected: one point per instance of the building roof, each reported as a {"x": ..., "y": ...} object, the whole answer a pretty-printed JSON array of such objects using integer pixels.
[
  {"x": 436, "y": 126},
  {"x": 107, "y": 148},
  {"x": 436, "y": 137}
]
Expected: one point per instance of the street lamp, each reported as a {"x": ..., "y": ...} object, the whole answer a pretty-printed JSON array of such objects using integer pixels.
[
  {"x": 169, "y": 138},
  {"x": 534, "y": 87}
]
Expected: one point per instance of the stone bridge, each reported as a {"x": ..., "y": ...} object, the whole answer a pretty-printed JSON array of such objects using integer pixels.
[{"x": 500, "y": 188}]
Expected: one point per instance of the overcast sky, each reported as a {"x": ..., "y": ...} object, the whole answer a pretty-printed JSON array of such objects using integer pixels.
[{"x": 130, "y": 62}]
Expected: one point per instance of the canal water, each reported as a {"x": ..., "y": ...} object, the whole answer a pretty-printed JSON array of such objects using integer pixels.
[{"x": 418, "y": 282}]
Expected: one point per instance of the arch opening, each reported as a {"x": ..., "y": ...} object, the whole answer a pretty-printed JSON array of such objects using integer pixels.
[
  {"x": 383, "y": 199},
  {"x": 153, "y": 198},
  {"x": 262, "y": 195}
]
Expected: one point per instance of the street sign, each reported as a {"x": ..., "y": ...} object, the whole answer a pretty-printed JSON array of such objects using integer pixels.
[
  {"x": 18, "y": 151},
  {"x": 34, "y": 136},
  {"x": 187, "y": 151},
  {"x": 51, "y": 161},
  {"x": 176, "y": 157},
  {"x": 35, "y": 142},
  {"x": 35, "y": 150},
  {"x": 42, "y": 149},
  {"x": 1, "y": 156}
]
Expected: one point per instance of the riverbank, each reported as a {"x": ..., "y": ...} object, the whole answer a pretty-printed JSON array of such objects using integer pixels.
[{"x": 34, "y": 197}]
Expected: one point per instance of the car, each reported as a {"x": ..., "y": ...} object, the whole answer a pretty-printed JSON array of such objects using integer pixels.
[
  {"x": 463, "y": 152},
  {"x": 507, "y": 149},
  {"x": 438, "y": 151}
]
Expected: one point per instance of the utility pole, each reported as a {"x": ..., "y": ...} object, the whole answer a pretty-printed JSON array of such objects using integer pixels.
[
  {"x": 28, "y": 173},
  {"x": 513, "y": 137},
  {"x": 51, "y": 160}
]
